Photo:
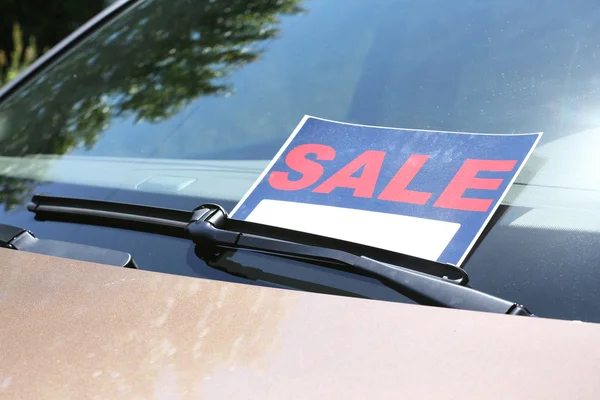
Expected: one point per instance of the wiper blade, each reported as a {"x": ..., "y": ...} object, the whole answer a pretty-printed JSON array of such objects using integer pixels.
[
  {"x": 107, "y": 213},
  {"x": 211, "y": 226}
]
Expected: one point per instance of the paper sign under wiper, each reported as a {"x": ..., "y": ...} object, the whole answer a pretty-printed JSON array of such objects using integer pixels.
[{"x": 428, "y": 194}]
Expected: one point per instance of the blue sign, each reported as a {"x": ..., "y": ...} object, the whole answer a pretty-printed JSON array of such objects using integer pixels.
[{"x": 424, "y": 193}]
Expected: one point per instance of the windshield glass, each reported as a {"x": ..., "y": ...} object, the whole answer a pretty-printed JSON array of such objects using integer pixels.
[
  {"x": 194, "y": 98},
  {"x": 227, "y": 81}
]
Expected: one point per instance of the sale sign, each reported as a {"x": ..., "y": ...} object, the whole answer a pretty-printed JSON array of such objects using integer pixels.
[{"x": 428, "y": 194}]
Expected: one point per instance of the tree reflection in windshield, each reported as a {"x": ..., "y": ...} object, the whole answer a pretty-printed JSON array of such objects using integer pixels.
[
  {"x": 14, "y": 191},
  {"x": 147, "y": 71},
  {"x": 146, "y": 65}
]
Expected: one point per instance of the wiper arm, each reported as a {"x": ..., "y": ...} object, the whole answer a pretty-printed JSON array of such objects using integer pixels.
[{"x": 211, "y": 226}]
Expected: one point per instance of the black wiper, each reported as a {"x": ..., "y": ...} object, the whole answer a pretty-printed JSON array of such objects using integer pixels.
[
  {"x": 211, "y": 225},
  {"x": 107, "y": 213},
  {"x": 166, "y": 221},
  {"x": 425, "y": 282}
]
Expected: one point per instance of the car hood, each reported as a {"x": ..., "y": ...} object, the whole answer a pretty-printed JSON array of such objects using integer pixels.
[{"x": 80, "y": 330}]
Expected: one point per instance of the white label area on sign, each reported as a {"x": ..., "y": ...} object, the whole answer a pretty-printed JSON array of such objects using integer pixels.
[{"x": 420, "y": 237}]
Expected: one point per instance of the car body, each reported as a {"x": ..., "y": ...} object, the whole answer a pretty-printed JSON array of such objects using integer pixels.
[
  {"x": 82, "y": 330},
  {"x": 176, "y": 104}
]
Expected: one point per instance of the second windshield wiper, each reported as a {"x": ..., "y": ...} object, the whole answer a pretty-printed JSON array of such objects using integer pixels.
[{"x": 425, "y": 282}]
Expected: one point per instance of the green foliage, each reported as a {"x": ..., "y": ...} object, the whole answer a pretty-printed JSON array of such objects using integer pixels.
[
  {"x": 14, "y": 191},
  {"x": 47, "y": 20},
  {"x": 20, "y": 58},
  {"x": 147, "y": 64}
]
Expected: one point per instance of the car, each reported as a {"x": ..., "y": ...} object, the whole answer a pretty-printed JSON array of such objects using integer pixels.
[{"x": 125, "y": 149}]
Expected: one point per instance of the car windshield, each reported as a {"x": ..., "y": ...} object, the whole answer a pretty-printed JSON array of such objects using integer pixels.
[
  {"x": 194, "y": 98},
  {"x": 225, "y": 82}
]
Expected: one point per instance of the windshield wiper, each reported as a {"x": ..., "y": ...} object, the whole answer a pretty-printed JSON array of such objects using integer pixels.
[
  {"x": 166, "y": 221},
  {"x": 210, "y": 228}
]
